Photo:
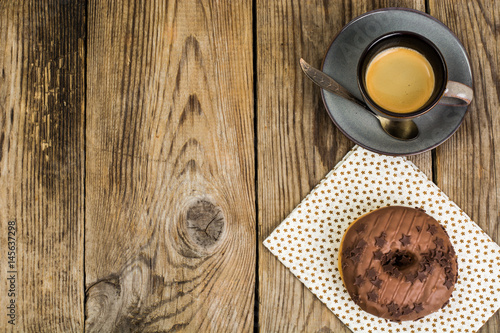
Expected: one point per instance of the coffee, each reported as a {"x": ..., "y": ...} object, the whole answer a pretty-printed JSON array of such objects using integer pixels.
[{"x": 400, "y": 80}]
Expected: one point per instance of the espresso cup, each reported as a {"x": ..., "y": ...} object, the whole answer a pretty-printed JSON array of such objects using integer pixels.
[{"x": 404, "y": 75}]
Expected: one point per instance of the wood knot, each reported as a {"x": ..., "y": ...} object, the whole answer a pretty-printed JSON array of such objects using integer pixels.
[
  {"x": 205, "y": 223},
  {"x": 324, "y": 329}
]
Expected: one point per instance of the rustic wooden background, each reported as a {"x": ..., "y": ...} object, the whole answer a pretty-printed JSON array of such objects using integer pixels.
[{"x": 148, "y": 147}]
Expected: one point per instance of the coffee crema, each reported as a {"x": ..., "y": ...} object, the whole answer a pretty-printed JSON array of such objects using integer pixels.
[{"x": 399, "y": 80}]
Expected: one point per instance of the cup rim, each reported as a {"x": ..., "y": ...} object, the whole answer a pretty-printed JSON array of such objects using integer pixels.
[{"x": 383, "y": 111}]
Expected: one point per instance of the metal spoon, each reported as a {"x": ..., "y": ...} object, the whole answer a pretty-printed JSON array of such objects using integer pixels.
[{"x": 405, "y": 129}]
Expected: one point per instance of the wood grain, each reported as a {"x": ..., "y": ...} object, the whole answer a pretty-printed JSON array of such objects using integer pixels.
[
  {"x": 297, "y": 143},
  {"x": 42, "y": 68},
  {"x": 467, "y": 164},
  {"x": 161, "y": 162},
  {"x": 170, "y": 212}
]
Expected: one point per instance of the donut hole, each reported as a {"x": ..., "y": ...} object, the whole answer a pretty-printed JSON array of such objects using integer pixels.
[{"x": 400, "y": 260}]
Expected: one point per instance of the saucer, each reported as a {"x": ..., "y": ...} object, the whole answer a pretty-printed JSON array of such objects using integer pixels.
[{"x": 341, "y": 61}]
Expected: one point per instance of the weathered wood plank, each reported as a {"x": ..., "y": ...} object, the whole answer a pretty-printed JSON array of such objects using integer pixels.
[
  {"x": 297, "y": 142},
  {"x": 467, "y": 165},
  {"x": 170, "y": 211},
  {"x": 42, "y": 89}
]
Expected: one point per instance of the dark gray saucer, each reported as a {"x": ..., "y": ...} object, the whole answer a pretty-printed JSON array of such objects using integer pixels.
[{"x": 341, "y": 61}]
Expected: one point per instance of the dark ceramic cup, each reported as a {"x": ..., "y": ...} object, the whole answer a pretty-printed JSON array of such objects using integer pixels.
[{"x": 445, "y": 91}]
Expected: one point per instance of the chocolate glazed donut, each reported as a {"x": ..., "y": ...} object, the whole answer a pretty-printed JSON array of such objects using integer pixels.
[{"x": 398, "y": 263}]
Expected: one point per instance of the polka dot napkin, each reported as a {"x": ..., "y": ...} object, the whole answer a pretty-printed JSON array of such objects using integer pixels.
[{"x": 308, "y": 240}]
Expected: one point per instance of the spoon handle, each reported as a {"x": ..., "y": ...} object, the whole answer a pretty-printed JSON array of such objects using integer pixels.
[{"x": 327, "y": 83}]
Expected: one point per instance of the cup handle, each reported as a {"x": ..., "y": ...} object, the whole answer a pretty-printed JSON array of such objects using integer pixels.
[{"x": 457, "y": 94}]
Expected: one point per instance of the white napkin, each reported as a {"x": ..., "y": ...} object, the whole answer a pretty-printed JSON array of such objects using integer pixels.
[{"x": 308, "y": 240}]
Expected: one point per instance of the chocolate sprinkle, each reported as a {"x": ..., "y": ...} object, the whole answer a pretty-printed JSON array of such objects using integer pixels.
[
  {"x": 448, "y": 283},
  {"x": 419, "y": 228},
  {"x": 377, "y": 255},
  {"x": 356, "y": 259},
  {"x": 445, "y": 262},
  {"x": 438, "y": 255},
  {"x": 426, "y": 268},
  {"x": 377, "y": 282},
  {"x": 361, "y": 244},
  {"x": 406, "y": 310},
  {"x": 392, "y": 307},
  {"x": 427, "y": 258},
  {"x": 355, "y": 298},
  {"x": 372, "y": 296},
  {"x": 421, "y": 276},
  {"x": 432, "y": 229},
  {"x": 356, "y": 252},
  {"x": 417, "y": 307},
  {"x": 439, "y": 242},
  {"x": 390, "y": 269},
  {"x": 358, "y": 281},
  {"x": 448, "y": 272},
  {"x": 387, "y": 256},
  {"x": 411, "y": 277},
  {"x": 380, "y": 241},
  {"x": 405, "y": 240},
  {"x": 347, "y": 252},
  {"x": 344, "y": 265},
  {"x": 361, "y": 228},
  {"x": 371, "y": 273}
]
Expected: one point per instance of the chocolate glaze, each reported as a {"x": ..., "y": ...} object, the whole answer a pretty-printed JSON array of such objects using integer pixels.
[{"x": 414, "y": 276}]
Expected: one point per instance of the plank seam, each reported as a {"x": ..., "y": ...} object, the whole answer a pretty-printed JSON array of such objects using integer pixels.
[
  {"x": 433, "y": 151},
  {"x": 85, "y": 62},
  {"x": 256, "y": 165}
]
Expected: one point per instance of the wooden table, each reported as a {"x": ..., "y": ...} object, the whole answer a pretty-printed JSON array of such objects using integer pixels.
[{"x": 148, "y": 147}]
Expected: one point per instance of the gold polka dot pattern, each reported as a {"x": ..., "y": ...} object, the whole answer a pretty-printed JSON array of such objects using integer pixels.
[{"x": 308, "y": 240}]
